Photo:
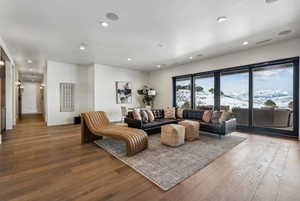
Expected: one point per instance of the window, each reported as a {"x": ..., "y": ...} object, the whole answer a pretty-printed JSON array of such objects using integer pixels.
[
  {"x": 67, "y": 97},
  {"x": 262, "y": 97},
  {"x": 204, "y": 92},
  {"x": 273, "y": 96},
  {"x": 235, "y": 94},
  {"x": 183, "y": 93}
]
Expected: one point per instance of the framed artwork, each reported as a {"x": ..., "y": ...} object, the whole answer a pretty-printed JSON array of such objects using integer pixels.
[{"x": 124, "y": 92}]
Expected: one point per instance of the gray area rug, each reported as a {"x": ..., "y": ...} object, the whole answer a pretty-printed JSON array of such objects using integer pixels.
[{"x": 166, "y": 166}]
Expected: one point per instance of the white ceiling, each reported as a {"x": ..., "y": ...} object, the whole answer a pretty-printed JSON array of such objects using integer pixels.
[{"x": 54, "y": 29}]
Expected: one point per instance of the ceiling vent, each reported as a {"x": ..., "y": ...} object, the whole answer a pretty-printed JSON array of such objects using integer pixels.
[
  {"x": 263, "y": 41},
  {"x": 285, "y": 32}
]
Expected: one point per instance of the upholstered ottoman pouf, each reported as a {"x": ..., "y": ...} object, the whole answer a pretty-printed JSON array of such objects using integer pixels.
[
  {"x": 191, "y": 129},
  {"x": 172, "y": 135}
]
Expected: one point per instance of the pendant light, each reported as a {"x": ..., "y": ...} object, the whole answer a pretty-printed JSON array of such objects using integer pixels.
[{"x": 2, "y": 63}]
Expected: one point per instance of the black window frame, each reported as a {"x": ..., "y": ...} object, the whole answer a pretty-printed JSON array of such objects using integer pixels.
[{"x": 250, "y": 68}]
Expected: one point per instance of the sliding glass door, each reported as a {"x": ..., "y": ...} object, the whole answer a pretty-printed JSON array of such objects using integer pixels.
[
  {"x": 183, "y": 96},
  {"x": 262, "y": 97},
  {"x": 204, "y": 92},
  {"x": 273, "y": 96},
  {"x": 235, "y": 94}
]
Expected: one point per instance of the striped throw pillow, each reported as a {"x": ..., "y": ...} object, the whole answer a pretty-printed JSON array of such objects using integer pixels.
[
  {"x": 150, "y": 115},
  {"x": 137, "y": 115}
]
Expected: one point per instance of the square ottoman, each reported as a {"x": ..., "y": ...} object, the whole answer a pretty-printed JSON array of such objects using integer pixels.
[
  {"x": 191, "y": 129},
  {"x": 172, "y": 135}
]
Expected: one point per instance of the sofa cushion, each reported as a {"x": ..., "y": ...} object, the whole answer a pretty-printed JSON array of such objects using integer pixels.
[
  {"x": 215, "y": 117},
  {"x": 144, "y": 116},
  {"x": 159, "y": 122},
  {"x": 158, "y": 114},
  {"x": 150, "y": 115},
  {"x": 207, "y": 116},
  {"x": 193, "y": 114},
  {"x": 137, "y": 115},
  {"x": 225, "y": 116},
  {"x": 215, "y": 128},
  {"x": 169, "y": 113},
  {"x": 179, "y": 113}
]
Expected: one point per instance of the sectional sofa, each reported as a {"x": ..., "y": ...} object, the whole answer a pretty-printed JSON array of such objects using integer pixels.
[{"x": 221, "y": 128}]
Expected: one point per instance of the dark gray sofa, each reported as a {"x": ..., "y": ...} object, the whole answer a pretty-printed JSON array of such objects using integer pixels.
[{"x": 155, "y": 126}]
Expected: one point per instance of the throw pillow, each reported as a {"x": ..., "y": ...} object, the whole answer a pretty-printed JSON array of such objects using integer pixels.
[
  {"x": 215, "y": 117},
  {"x": 225, "y": 116},
  {"x": 207, "y": 116},
  {"x": 179, "y": 113},
  {"x": 150, "y": 115},
  {"x": 137, "y": 115},
  {"x": 144, "y": 116},
  {"x": 170, "y": 113}
]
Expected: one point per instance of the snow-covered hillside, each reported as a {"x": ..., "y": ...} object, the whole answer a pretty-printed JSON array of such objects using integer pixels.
[{"x": 281, "y": 98}]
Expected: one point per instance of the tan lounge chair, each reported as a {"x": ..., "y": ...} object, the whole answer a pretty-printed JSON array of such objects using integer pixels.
[{"x": 96, "y": 124}]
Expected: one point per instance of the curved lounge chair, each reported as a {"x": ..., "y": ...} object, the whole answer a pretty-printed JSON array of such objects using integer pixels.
[{"x": 96, "y": 124}]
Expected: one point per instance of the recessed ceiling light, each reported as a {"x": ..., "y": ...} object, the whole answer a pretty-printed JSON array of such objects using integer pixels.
[
  {"x": 245, "y": 43},
  {"x": 158, "y": 66},
  {"x": 82, "y": 47},
  {"x": 222, "y": 19},
  {"x": 30, "y": 69},
  {"x": 271, "y": 1},
  {"x": 190, "y": 57},
  {"x": 112, "y": 16},
  {"x": 285, "y": 32},
  {"x": 129, "y": 59},
  {"x": 29, "y": 61},
  {"x": 104, "y": 24}
]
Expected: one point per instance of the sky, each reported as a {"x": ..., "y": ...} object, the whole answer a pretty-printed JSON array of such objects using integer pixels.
[{"x": 277, "y": 78}]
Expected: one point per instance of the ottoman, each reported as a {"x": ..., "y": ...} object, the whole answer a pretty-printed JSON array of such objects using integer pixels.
[
  {"x": 191, "y": 129},
  {"x": 172, "y": 135}
]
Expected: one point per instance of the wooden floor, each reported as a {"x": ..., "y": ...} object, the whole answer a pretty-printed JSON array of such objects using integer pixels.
[{"x": 49, "y": 164}]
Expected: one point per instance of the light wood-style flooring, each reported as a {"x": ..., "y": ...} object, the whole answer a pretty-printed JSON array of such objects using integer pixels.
[{"x": 42, "y": 163}]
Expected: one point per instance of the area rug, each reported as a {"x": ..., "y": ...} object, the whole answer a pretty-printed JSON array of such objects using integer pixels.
[{"x": 166, "y": 166}]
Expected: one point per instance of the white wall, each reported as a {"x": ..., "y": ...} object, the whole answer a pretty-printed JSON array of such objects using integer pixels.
[
  {"x": 105, "y": 88},
  {"x": 31, "y": 98},
  {"x": 86, "y": 88},
  {"x": 61, "y": 72},
  {"x": 162, "y": 79}
]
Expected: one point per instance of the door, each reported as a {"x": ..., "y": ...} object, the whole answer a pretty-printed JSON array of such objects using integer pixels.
[{"x": 2, "y": 100}]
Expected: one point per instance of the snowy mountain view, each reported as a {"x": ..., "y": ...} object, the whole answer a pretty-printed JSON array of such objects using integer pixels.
[
  {"x": 271, "y": 87},
  {"x": 281, "y": 98}
]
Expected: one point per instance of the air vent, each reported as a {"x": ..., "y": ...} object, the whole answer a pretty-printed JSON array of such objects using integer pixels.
[
  {"x": 263, "y": 41},
  {"x": 285, "y": 32}
]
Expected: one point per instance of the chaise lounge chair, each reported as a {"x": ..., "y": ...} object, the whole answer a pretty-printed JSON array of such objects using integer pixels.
[{"x": 96, "y": 124}]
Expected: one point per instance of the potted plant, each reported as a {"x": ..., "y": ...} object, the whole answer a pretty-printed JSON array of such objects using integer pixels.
[{"x": 148, "y": 95}]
